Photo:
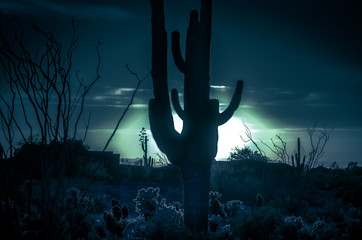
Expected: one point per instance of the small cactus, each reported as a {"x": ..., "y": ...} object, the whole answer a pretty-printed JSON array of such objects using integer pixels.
[
  {"x": 215, "y": 206},
  {"x": 117, "y": 212},
  {"x": 116, "y": 219},
  {"x": 147, "y": 161},
  {"x": 125, "y": 212},
  {"x": 259, "y": 201},
  {"x": 296, "y": 162}
]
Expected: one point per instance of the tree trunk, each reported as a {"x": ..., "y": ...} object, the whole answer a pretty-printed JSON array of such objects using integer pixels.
[{"x": 196, "y": 182}]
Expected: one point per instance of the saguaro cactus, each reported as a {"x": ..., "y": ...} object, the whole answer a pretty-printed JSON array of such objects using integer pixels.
[
  {"x": 148, "y": 161},
  {"x": 195, "y": 148},
  {"x": 296, "y": 162}
]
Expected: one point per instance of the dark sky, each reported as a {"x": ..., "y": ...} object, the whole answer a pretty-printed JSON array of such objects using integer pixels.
[{"x": 301, "y": 62}]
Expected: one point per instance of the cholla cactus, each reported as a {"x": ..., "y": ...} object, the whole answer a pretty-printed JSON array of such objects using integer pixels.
[
  {"x": 116, "y": 219},
  {"x": 75, "y": 202},
  {"x": 318, "y": 228},
  {"x": 215, "y": 222},
  {"x": 292, "y": 227},
  {"x": 218, "y": 229},
  {"x": 235, "y": 208},
  {"x": 294, "y": 222},
  {"x": 216, "y": 207},
  {"x": 119, "y": 211},
  {"x": 170, "y": 213},
  {"x": 157, "y": 219},
  {"x": 147, "y": 202}
]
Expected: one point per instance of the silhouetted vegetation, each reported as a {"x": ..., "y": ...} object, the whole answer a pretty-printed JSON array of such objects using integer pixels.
[
  {"x": 246, "y": 202},
  {"x": 148, "y": 161},
  {"x": 53, "y": 187},
  {"x": 194, "y": 149}
]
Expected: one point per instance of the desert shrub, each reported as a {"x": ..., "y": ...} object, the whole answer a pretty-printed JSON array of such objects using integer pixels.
[
  {"x": 96, "y": 170},
  {"x": 218, "y": 228},
  {"x": 318, "y": 229},
  {"x": 218, "y": 225},
  {"x": 29, "y": 158},
  {"x": 246, "y": 154},
  {"x": 215, "y": 206},
  {"x": 147, "y": 202},
  {"x": 157, "y": 219},
  {"x": 166, "y": 222},
  {"x": 260, "y": 223},
  {"x": 78, "y": 219},
  {"x": 290, "y": 227},
  {"x": 351, "y": 225},
  {"x": 226, "y": 183},
  {"x": 293, "y": 227},
  {"x": 235, "y": 208},
  {"x": 116, "y": 219},
  {"x": 249, "y": 188}
]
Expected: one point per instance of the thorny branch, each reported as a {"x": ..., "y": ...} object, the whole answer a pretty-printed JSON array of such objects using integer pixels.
[
  {"x": 250, "y": 139},
  {"x": 42, "y": 78},
  {"x": 318, "y": 138},
  {"x": 139, "y": 82}
]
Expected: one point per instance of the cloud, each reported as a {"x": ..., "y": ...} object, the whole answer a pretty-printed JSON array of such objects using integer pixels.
[
  {"x": 80, "y": 9},
  {"x": 117, "y": 94},
  {"x": 313, "y": 97},
  {"x": 121, "y": 91},
  {"x": 219, "y": 87}
]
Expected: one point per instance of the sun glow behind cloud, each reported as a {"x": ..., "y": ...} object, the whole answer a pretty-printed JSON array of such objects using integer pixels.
[
  {"x": 126, "y": 140},
  {"x": 229, "y": 135}
]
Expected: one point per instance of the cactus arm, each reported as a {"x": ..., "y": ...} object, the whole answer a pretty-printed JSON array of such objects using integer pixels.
[
  {"x": 176, "y": 104},
  {"x": 143, "y": 143},
  {"x": 176, "y": 51},
  {"x": 160, "y": 115},
  {"x": 205, "y": 17},
  {"x": 234, "y": 104},
  {"x": 205, "y": 12},
  {"x": 194, "y": 19},
  {"x": 159, "y": 46},
  {"x": 168, "y": 140},
  {"x": 146, "y": 147},
  {"x": 303, "y": 164}
]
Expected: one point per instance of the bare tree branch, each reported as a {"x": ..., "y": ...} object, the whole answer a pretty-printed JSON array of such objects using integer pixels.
[
  {"x": 251, "y": 139},
  {"x": 139, "y": 82},
  {"x": 318, "y": 140},
  {"x": 42, "y": 77}
]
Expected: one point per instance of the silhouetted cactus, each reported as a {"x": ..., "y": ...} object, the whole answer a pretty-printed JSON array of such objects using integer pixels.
[
  {"x": 116, "y": 220},
  {"x": 259, "y": 201},
  {"x": 296, "y": 162},
  {"x": 125, "y": 212},
  {"x": 147, "y": 161},
  {"x": 116, "y": 209},
  {"x": 195, "y": 148},
  {"x": 215, "y": 206},
  {"x": 297, "y": 183},
  {"x": 147, "y": 202}
]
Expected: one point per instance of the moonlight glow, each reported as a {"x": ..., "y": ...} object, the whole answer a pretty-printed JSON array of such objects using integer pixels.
[{"x": 229, "y": 135}]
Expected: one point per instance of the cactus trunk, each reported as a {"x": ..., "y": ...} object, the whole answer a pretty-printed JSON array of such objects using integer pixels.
[
  {"x": 196, "y": 182},
  {"x": 195, "y": 148}
]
